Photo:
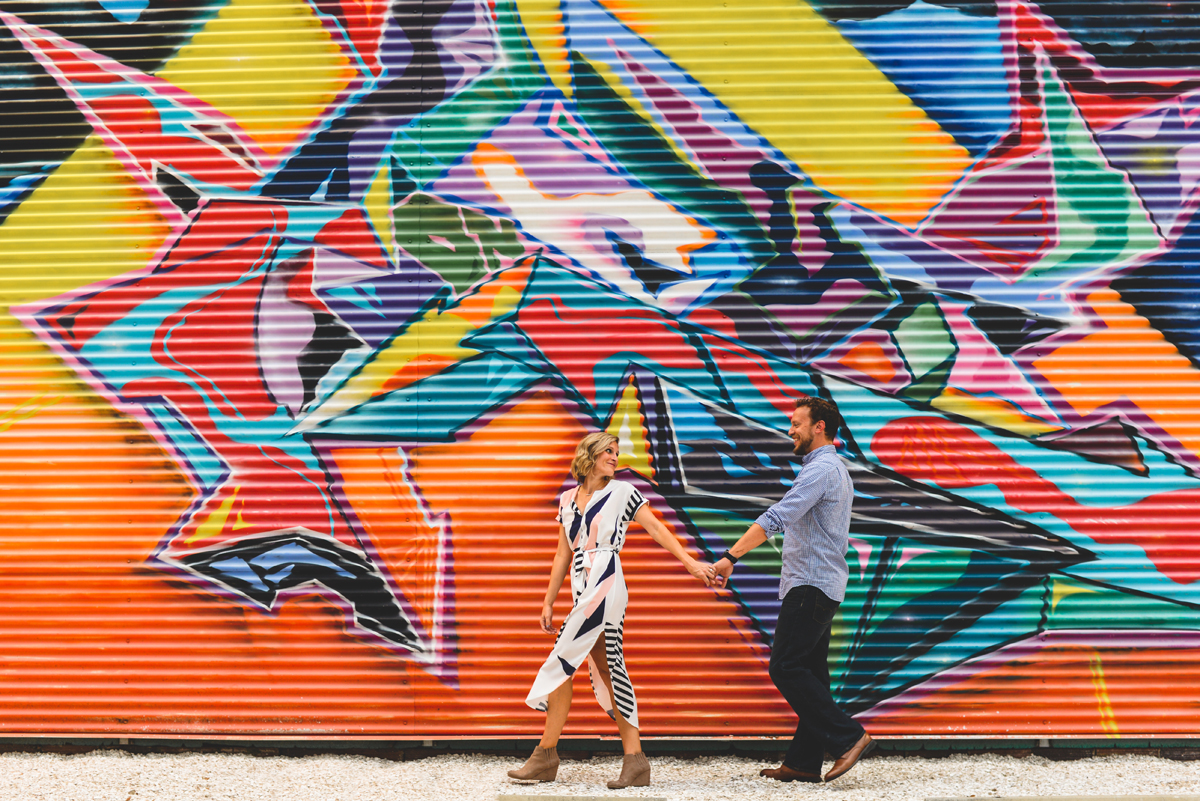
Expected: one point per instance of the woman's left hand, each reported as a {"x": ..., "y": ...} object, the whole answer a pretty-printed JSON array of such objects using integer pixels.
[{"x": 699, "y": 570}]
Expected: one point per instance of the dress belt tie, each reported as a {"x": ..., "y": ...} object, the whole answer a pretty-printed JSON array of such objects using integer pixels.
[{"x": 587, "y": 553}]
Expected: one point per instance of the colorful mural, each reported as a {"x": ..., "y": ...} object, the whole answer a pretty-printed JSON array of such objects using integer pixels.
[{"x": 308, "y": 301}]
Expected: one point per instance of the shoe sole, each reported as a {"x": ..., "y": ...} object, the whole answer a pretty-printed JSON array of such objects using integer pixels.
[
  {"x": 870, "y": 747},
  {"x": 639, "y": 782},
  {"x": 544, "y": 776}
]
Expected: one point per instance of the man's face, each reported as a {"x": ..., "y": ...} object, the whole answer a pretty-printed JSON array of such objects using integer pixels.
[{"x": 803, "y": 432}]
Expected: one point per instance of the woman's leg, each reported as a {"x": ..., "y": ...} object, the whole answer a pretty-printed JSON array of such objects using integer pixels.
[
  {"x": 558, "y": 704},
  {"x": 631, "y": 740}
]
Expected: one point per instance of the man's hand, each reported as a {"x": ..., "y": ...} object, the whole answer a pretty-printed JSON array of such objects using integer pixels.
[
  {"x": 720, "y": 572},
  {"x": 547, "y": 619}
]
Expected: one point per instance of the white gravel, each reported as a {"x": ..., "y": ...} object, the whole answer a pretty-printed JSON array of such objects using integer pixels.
[{"x": 120, "y": 776}]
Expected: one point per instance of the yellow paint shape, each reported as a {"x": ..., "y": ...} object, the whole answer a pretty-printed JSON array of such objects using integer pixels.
[
  {"x": 1065, "y": 589},
  {"x": 378, "y": 204},
  {"x": 992, "y": 412},
  {"x": 1127, "y": 359},
  {"x": 215, "y": 523},
  {"x": 87, "y": 222},
  {"x": 26, "y": 409},
  {"x": 543, "y": 22},
  {"x": 269, "y": 64},
  {"x": 1108, "y": 718},
  {"x": 792, "y": 77},
  {"x": 426, "y": 347},
  {"x": 629, "y": 429}
]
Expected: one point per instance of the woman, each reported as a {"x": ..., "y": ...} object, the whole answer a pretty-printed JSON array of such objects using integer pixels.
[{"x": 593, "y": 518}]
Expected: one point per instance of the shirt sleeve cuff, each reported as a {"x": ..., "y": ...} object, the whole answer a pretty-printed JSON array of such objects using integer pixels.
[{"x": 769, "y": 523}]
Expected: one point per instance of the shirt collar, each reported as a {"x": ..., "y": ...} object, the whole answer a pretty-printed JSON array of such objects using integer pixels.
[{"x": 808, "y": 457}]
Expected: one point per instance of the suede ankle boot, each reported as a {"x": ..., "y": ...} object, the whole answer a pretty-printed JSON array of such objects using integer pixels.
[
  {"x": 635, "y": 772},
  {"x": 542, "y": 766}
]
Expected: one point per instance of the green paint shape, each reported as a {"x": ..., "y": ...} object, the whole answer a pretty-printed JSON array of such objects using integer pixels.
[
  {"x": 1084, "y": 605},
  {"x": 446, "y": 133},
  {"x": 924, "y": 340},
  {"x": 457, "y": 243},
  {"x": 1101, "y": 220}
]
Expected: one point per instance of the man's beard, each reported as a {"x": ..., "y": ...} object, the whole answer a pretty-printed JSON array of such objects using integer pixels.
[{"x": 802, "y": 446}]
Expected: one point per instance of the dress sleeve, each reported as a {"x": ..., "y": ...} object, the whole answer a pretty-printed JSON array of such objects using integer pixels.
[
  {"x": 636, "y": 501},
  {"x": 562, "y": 501}
]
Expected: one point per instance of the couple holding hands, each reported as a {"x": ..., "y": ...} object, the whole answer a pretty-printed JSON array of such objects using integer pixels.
[{"x": 814, "y": 520}]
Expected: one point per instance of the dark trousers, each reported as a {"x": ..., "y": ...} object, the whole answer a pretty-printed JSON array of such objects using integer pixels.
[{"x": 800, "y": 669}]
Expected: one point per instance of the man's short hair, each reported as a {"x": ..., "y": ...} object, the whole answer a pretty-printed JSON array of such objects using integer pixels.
[{"x": 820, "y": 409}]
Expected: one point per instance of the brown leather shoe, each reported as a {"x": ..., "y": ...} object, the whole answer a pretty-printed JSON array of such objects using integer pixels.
[
  {"x": 542, "y": 766},
  {"x": 864, "y": 746},
  {"x": 635, "y": 772},
  {"x": 785, "y": 774}
]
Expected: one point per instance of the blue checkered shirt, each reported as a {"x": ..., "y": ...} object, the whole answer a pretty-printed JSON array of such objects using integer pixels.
[{"x": 814, "y": 517}]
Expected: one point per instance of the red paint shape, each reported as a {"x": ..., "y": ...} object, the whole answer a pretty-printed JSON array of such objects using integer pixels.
[
  {"x": 270, "y": 489},
  {"x": 72, "y": 66},
  {"x": 135, "y": 122},
  {"x": 212, "y": 341},
  {"x": 353, "y": 235},
  {"x": 577, "y": 340},
  {"x": 1166, "y": 525},
  {"x": 216, "y": 249}
]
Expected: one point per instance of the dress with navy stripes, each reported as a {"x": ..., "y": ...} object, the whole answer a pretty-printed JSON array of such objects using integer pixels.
[{"x": 596, "y": 535}]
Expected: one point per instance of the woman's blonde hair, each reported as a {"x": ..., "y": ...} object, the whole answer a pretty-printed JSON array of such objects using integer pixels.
[{"x": 587, "y": 452}]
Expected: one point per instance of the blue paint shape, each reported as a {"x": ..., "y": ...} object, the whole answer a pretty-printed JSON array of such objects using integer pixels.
[
  {"x": 950, "y": 64},
  {"x": 125, "y": 10}
]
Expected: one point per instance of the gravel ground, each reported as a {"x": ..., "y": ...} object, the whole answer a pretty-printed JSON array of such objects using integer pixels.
[{"x": 121, "y": 776}]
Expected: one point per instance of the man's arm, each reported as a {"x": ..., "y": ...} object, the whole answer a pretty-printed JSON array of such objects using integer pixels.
[
  {"x": 755, "y": 536},
  {"x": 805, "y": 492}
]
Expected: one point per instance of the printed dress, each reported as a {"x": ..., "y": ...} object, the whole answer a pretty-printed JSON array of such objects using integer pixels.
[{"x": 596, "y": 535}]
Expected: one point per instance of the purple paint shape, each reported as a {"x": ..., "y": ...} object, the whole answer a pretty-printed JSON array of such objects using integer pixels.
[
  {"x": 285, "y": 327},
  {"x": 843, "y": 308},
  {"x": 1108, "y": 442},
  {"x": 551, "y": 162},
  {"x": 1002, "y": 219},
  {"x": 724, "y": 159},
  {"x": 376, "y": 308},
  {"x": 331, "y": 269},
  {"x": 1160, "y": 152}
]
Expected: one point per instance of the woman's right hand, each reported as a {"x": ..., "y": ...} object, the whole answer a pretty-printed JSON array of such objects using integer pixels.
[{"x": 547, "y": 619}]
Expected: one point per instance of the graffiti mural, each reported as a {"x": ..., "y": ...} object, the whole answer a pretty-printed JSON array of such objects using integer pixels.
[{"x": 309, "y": 301}]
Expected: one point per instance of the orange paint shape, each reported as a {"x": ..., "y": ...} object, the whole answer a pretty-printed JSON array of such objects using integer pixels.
[
  {"x": 870, "y": 359},
  {"x": 405, "y": 538},
  {"x": 1074, "y": 683},
  {"x": 1128, "y": 359}
]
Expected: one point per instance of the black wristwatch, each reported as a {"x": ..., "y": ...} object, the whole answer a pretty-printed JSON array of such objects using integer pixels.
[{"x": 727, "y": 555}]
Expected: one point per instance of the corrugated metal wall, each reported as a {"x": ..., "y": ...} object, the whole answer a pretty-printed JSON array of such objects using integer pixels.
[{"x": 306, "y": 304}]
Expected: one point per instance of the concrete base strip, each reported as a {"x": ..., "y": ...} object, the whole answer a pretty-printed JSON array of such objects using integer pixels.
[
  {"x": 1074, "y": 798},
  {"x": 532, "y": 797}
]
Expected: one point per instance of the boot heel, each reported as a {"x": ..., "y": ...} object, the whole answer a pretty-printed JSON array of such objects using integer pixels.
[
  {"x": 542, "y": 766},
  {"x": 635, "y": 772}
]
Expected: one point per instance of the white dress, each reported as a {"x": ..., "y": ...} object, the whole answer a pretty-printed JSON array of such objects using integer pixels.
[{"x": 596, "y": 535}]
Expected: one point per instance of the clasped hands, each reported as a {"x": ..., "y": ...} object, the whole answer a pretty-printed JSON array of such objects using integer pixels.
[{"x": 712, "y": 575}]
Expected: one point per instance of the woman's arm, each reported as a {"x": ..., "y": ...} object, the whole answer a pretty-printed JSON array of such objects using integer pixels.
[
  {"x": 659, "y": 533},
  {"x": 558, "y": 572}
]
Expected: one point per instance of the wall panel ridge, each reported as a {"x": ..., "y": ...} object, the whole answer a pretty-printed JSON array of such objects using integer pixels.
[{"x": 305, "y": 305}]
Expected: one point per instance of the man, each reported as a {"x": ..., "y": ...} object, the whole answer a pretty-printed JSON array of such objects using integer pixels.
[{"x": 814, "y": 518}]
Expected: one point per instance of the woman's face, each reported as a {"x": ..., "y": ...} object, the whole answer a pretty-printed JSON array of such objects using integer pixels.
[{"x": 606, "y": 462}]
